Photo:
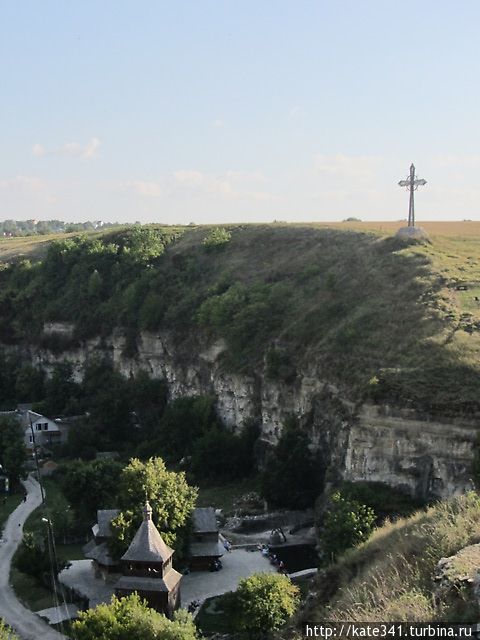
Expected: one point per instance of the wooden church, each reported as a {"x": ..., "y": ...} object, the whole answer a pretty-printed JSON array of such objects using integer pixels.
[{"x": 147, "y": 569}]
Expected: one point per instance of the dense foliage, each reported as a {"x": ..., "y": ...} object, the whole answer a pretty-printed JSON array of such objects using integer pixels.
[
  {"x": 170, "y": 496},
  {"x": 32, "y": 557},
  {"x": 269, "y": 295},
  {"x": 190, "y": 432},
  {"x": 6, "y": 633},
  {"x": 130, "y": 619},
  {"x": 264, "y": 602},
  {"x": 385, "y": 501},
  {"x": 293, "y": 475},
  {"x": 89, "y": 486},
  {"x": 345, "y": 524},
  {"x": 12, "y": 448}
]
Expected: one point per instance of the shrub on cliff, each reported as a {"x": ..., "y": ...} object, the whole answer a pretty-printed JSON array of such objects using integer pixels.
[{"x": 346, "y": 524}]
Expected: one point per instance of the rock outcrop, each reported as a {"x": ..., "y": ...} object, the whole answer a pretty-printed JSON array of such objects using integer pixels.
[{"x": 426, "y": 457}]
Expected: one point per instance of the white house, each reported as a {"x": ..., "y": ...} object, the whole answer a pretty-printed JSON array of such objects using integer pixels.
[{"x": 47, "y": 432}]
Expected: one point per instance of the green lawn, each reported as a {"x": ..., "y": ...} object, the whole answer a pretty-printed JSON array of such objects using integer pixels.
[
  {"x": 12, "y": 502},
  {"x": 30, "y": 592},
  {"x": 57, "y": 509}
]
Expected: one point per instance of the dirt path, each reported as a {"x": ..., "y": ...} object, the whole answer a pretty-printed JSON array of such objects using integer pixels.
[{"x": 27, "y": 625}]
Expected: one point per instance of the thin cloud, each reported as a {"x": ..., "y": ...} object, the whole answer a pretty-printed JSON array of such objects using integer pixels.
[
  {"x": 23, "y": 183},
  {"x": 231, "y": 184},
  {"x": 193, "y": 183},
  {"x": 27, "y": 186},
  {"x": 343, "y": 166},
  {"x": 72, "y": 149},
  {"x": 143, "y": 188}
]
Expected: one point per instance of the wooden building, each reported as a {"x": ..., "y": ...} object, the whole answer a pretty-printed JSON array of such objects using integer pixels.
[
  {"x": 97, "y": 549},
  {"x": 147, "y": 569},
  {"x": 205, "y": 546}
]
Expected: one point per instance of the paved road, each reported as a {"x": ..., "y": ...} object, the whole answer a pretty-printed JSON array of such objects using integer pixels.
[{"x": 27, "y": 625}]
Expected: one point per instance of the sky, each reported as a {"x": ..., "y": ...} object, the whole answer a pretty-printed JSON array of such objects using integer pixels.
[{"x": 238, "y": 110}]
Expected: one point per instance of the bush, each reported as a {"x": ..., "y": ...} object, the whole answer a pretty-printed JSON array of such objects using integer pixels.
[
  {"x": 217, "y": 237},
  {"x": 386, "y": 501},
  {"x": 31, "y": 558},
  {"x": 264, "y": 602},
  {"x": 131, "y": 618},
  {"x": 346, "y": 524},
  {"x": 6, "y": 633}
]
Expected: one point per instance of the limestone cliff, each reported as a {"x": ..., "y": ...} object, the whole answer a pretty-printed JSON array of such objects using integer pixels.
[{"x": 428, "y": 458}]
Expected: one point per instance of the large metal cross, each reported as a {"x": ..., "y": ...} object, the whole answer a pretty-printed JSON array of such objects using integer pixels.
[{"x": 412, "y": 185}]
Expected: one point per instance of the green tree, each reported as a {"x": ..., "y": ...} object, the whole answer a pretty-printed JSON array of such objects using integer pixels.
[
  {"x": 185, "y": 420},
  {"x": 222, "y": 455},
  {"x": 130, "y": 619},
  {"x": 171, "y": 497},
  {"x": 89, "y": 486},
  {"x": 264, "y": 602},
  {"x": 6, "y": 633},
  {"x": 293, "y": 476},
  {"x": 61, "y": 391},
  {"x": 346, "y": 524},
  {"x": 12, "y": 448},
  {"x": 29, "y": 383},
  {"x": 109, "y": 402},
  {"x": 31, "y": 558}
]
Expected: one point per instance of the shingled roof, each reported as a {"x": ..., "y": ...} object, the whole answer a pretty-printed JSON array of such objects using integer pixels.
[
  {"x": 104, "y": 518},
  {"x": 147, "y": 545},
  {"x": 204, "y": 520}
]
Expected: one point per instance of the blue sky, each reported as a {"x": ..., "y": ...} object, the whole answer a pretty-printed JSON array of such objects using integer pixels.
[{"x": 212, "y": 111}]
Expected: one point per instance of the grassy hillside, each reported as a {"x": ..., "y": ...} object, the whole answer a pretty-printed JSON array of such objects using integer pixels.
[
  {"x": 379, "y": 318},
  {"x": 390, "y": 577}
]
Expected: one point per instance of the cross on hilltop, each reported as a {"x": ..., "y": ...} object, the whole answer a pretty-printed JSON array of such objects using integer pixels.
[{"x": 412, "y": 184}]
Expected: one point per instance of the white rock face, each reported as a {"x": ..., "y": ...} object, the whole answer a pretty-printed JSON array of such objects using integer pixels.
[{"x": 425, "y": 457}]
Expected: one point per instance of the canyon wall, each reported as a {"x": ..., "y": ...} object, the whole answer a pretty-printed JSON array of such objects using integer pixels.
[{"x": 429, "y": 458}]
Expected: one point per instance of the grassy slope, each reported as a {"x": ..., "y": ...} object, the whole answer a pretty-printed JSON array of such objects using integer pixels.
[
  {"x": 390, "y": 577},
  {"x": 374, "y": 317}
]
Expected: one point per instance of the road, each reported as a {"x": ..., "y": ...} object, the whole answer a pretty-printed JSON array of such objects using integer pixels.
[{"x": 27, "y": 625}]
